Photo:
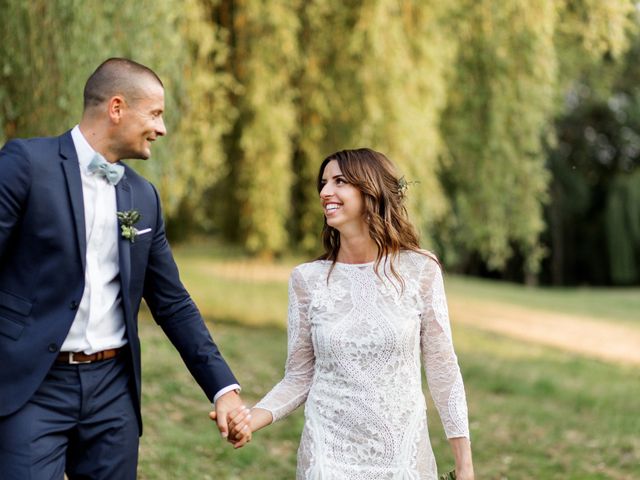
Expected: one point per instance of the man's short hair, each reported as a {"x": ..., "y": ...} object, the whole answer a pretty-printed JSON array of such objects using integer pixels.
[{"x": 116, "y": 76}]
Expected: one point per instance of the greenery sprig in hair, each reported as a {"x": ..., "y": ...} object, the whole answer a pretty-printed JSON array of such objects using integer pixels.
[{"x": 403, "y": 186}]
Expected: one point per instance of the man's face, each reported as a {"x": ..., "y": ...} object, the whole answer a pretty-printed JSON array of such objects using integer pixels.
[{"x": 141, "y": 122}]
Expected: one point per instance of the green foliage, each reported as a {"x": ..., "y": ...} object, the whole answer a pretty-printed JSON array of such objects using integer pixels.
[
  {"x": 448, "y": 476},
  {"x": 514, "y": 65},
  {"x": 203, "y": 114},
  {"x": 401, "y": 82},
  {"x": 595, "y": 213},
  {"x": 263, "y": 43},
  {"x": 622, "y": 220},
  {"x": 375, "y": 78},
  {"x": 462, "y": 95},
  {"x": 35, "y": 68},
  {"x": 588, "y": 31},
  {"x": 500, "y": 98},
  {"x": 48, "y": 49}
]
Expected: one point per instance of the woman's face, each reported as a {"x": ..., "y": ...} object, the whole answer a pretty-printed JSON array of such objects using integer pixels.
[{"x": 342, "y": 203}]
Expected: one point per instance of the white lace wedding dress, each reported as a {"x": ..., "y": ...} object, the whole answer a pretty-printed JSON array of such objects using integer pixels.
[{"x": 354, "y": 351}]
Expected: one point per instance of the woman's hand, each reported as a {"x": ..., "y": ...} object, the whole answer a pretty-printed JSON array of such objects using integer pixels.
[{"x": 240, "y": 431}]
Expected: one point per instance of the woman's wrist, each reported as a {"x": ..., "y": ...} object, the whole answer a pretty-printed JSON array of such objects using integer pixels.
[
  {"x": 260, "y": 418},
  {"x": 464, "y": 471}
]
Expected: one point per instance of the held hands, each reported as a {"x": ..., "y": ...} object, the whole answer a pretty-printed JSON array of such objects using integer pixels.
[
  {"x": 242, "y": 422},
  {"x": 239, "y": 433},
  {"x": 232, "y": 418},
  {"x": 240, "y": 428}
]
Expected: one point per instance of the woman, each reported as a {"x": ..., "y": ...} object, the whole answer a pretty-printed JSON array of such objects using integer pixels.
[{"x": 360, "y": 319}]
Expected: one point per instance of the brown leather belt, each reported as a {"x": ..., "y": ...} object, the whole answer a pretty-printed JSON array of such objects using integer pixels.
[{"x": 74, "y": 358}]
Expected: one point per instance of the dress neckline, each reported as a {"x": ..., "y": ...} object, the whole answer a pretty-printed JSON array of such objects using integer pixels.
[{"x": 344, "y": 264}]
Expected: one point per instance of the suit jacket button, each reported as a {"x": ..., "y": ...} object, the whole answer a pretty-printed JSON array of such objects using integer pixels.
[
  {"x": 53, "y": 347},
  {"x": 73, "y": 305}
]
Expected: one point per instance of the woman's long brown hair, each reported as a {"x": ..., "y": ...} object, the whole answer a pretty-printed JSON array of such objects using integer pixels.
[{"x": 375, "y": 176}]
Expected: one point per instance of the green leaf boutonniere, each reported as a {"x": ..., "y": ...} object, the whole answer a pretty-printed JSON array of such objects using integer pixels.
[{"x": 127, "y": 221}]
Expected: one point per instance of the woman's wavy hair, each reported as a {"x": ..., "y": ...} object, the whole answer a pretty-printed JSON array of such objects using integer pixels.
[{"x": 383, "y": 192}]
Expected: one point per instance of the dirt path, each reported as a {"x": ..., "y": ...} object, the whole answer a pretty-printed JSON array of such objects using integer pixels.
[{"x": 607, "y": 341}]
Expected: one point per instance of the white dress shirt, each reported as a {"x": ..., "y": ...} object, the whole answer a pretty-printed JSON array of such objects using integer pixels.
[{"x": 99, "y": 322}]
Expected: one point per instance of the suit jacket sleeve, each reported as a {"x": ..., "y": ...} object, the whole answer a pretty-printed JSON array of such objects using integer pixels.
[
  {"x": 14, "y": 189},
  {"x": 174, "y": 310}
]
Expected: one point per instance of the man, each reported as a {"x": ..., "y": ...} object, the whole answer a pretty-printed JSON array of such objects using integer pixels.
[{"x": 82, "y": 240}]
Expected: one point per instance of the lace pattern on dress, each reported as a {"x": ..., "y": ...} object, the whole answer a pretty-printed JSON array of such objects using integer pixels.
[{"x": 355, "y": 347}]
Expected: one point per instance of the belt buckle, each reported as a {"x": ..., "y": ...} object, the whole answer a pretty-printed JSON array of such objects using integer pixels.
[{"x": 72, "y": 361}]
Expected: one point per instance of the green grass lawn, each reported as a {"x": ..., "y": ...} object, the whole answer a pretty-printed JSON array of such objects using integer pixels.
[{"x": 535, "y": 412}]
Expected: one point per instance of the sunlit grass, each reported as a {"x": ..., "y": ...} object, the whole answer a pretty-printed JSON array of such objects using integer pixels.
[{"x": 536, "y": 413}]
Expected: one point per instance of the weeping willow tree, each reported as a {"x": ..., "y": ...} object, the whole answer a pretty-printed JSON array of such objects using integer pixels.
[
  {"x": 499, "y": 102},
  {"x": 622, "y": 221},
  {"x": 48, "y": 50},
  {"x": 594, "y": 216},
  {"x": 461, "y": 95},
  {"x": 511, "y": 72},
  {"x": 38, "y": 91},
  {"x": 262, "y": 40},
  {"x": 204, "y": 116},
  {"x": 403, "y": 93},
  {"x": 374, "y": 78}
]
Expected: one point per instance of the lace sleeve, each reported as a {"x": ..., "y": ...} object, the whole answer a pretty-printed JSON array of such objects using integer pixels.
[
  {"x": 439, "y": 357},
  {"x": 293, "y": 389}
]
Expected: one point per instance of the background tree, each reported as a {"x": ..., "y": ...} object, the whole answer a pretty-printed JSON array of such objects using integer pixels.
[
  {"x": 594, "y": 215},
  {"x": 515, "y": 63},
  {"x": 263, "y": 47},
  {"x": 486, "y": 104},
  {"x": 500, "y": 98},
  {"x": 373, "y": 75}
]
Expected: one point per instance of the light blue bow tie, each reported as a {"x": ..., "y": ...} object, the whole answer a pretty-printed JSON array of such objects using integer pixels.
[{"x": 111, "y": 172}]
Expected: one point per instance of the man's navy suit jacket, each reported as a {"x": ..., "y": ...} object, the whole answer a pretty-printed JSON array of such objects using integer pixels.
[{"x": 42, "y": 263}]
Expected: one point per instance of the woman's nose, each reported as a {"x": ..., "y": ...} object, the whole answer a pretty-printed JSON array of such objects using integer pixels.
[{"x": 326, "y": 191}]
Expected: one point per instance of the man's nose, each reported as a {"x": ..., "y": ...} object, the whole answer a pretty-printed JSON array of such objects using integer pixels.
[{"x": 161, "y": 129}]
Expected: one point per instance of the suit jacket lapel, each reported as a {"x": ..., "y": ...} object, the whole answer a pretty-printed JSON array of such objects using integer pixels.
[
  {"x": 71, "y": 170},
  {"x": 124, "y": 202}
]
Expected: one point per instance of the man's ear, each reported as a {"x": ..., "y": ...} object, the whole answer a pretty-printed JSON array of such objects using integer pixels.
[{"x": 116, "y": 107}]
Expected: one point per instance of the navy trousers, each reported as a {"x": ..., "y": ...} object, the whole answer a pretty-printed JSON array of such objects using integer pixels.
[{"x": 80, "y": 421}]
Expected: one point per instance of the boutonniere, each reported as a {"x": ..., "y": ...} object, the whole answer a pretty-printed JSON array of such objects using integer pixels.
[{"x": 127, "y": 221}]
